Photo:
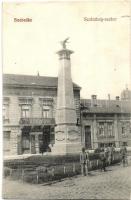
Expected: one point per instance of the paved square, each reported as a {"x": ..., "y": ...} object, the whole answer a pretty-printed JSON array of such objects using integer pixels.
[{"x": 113, "y": 184}]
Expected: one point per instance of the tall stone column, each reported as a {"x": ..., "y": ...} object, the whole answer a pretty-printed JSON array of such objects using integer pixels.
[{"x": 67, "y": 136}]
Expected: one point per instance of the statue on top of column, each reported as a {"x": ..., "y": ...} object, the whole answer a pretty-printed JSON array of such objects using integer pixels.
[{"x": 63, "y": 43}]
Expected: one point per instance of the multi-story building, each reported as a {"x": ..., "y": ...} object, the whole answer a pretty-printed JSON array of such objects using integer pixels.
[
  {"x": 106, "y": 122},
  {"x": 29, "y": 104}
]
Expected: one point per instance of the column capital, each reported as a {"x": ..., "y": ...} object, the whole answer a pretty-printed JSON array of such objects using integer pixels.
[{"x": 64, "y": 54}]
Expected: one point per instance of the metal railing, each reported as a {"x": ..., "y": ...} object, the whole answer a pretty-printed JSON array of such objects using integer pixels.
[{"x": 37, "y": 121}]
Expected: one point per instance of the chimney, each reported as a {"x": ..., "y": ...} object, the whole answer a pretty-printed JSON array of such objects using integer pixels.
[
  {"x": 117, "y": 98},
  {"x": 118, "y": 101},
  {"x": 109, "y": 97},
  {"x": 94, "y": 100},
  {"x": 94, "y": 96}
]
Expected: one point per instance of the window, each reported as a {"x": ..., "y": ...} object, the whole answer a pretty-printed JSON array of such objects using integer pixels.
[
  {"x": 110, "y": 129},
  {"x": 45, "y": 111},
  {"x": 26, "y": 141},
  {"x": 5, "y": 109},
  {"x": 46, "y": 106},
  {"x": 6, "y": 141},
  {"x": 125, "y": 144},
  {"x": 5, "y": 112},
  {"x": 25, "y": 111},
  {"x": 101, "y": 145},
  {"x": 101, "y": 129},
  {"x": 123, "y": 131},
  {"x": 26, "y": 104}
]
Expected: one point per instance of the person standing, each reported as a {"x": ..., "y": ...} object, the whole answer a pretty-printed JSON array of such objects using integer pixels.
[
  {"x": 112, "y": 153},
  {"x": 83, "y": 162},
  {"x": 103, "y": 160},
  {"x": 87, "y": 162},
  {"x": 110, "y": 156},
  {"x": 123, "y": 153},
  {"x": 106, "y": 152}
]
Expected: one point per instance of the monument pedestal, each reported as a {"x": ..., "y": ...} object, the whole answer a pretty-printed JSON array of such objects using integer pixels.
[{"x": 67, "y": 140}]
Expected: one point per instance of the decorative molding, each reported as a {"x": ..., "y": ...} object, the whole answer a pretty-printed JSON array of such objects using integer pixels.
[{"x": 25, "y": 100}]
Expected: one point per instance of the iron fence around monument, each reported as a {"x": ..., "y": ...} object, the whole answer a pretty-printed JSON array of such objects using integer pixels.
[{"x": 42, "y": 169}]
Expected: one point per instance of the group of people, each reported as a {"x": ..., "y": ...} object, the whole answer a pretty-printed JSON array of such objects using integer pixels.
[{"x": 106, "y": 157}]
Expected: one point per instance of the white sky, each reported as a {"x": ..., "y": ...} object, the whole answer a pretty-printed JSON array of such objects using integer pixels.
[{"x": 101, "y": 59}]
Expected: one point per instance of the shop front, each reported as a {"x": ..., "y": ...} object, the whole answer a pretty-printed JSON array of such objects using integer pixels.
[{"x": 36, "y": 139}]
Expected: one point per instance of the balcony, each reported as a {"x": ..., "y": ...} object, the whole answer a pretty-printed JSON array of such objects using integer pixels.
[
  {"x": 36, "y": 121},
  {"x": 105, "y": 136}
]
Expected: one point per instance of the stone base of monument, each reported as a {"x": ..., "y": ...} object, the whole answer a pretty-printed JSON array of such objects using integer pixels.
[
  {"x": 66, "y": 149},
  {"x": 67, "y": 140}
]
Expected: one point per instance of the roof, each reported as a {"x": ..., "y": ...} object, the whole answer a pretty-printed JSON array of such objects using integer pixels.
[
  {"x": 30, "y": 80},
  {"x": 106, "y": 106}
]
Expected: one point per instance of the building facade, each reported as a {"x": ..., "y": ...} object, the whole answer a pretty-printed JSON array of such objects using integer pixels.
[
  {"x": 29, "y": 104},
  {"x": 106, "y": 122}
]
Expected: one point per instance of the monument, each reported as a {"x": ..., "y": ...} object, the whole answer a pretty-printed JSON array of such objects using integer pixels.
[{"x": 67, "y": 136}]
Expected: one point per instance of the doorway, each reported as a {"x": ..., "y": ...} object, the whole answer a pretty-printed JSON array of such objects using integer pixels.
[
  {"x": 88, "y": 137},
  {"x": 24, "y": 147},
  {"x": 33, "y": 150},
  {"x": 44, "y": 139},
  {"x": 25, "y": 143}
]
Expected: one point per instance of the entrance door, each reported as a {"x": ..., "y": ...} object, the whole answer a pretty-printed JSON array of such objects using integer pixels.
[
  {"x": 44, "y": 139},
  {"x": 33, "y": 150},
  {"x": 25, "y": 142},
  {"x": 88, "y": 137},
  {"x": 6, "y": 141},
  {"x": 46, "y": 136},
  {"x": 25, "y": 145}
]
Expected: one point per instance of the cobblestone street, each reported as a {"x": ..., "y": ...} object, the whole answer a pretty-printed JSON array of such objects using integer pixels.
[{"x": 113, "y": 184}]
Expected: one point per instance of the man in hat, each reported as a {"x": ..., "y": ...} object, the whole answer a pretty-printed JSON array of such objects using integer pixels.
[
  {"x": 83, "y": 162},
  {"x": 123, "y": 153}
]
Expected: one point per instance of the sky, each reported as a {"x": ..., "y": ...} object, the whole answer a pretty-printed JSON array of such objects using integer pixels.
[{"x": 101, "y": 61}]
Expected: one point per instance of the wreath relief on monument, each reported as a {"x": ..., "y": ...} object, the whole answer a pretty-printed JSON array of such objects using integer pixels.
[
  {"x": 72, "y": 135},
  {"x": 59, "y": 135}
]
